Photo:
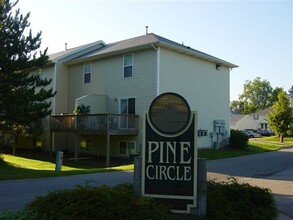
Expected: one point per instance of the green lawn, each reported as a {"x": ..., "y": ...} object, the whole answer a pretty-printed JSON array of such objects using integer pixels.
[
  {"x": 257, "y": 145},
  {"x": 16, "y": 167}
]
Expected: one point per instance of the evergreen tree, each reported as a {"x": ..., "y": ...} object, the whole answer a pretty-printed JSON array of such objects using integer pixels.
[
  {"x": 23, "y": 93},
  {"x": 281, "y": 117}
]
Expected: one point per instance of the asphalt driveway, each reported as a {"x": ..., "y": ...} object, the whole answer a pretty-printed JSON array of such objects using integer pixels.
[{"x": 273, "y": 170}]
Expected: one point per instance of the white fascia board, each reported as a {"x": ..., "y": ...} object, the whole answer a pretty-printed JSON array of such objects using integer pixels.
[{"x": 75, "y": 53}]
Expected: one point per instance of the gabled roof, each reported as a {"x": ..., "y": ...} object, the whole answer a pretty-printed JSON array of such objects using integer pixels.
[
  {"x": 147, "y": 41},
  {"x": 76, "y": 51},
  {"x": 290, "y": 91},
  {"x": 235, "y": 118},
  {"x": 263, "y": 112}
]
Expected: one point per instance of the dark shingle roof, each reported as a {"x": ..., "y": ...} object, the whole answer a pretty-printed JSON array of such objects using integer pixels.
[
  {"x": 147, "y": 41},
  {"x": 68, "y": 52},
  {"x": 236, "y": 118}
]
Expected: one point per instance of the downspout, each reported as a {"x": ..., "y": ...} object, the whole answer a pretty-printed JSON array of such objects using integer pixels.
[
  {"x": 157, "y": 69},
  {"x": 52, "y": 136},
  {"x": 229, "y": 118},
  {"x": 54, "y": 88}
]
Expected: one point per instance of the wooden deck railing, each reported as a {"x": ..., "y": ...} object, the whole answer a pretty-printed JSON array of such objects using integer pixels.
[{"x": 95, "y": 123}]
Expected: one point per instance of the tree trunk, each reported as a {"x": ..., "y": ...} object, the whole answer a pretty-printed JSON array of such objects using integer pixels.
[
  {"x": 281, "y": 137},
  {"x": 14, "y": 145}
]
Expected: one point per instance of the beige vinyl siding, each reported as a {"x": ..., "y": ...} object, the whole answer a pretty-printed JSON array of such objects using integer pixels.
[
  {"x": 107, "y": 79},
  {"x": 61, "y": 98},
  {"x": 97, "y": 103},
  {"x": 205, "y": 88},
  {"x": 48, "y": 72},
  {"x": 246, "y": 123}
]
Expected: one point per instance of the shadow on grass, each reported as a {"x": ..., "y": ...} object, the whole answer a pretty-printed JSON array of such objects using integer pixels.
[
  {"x": 86, "y": 161},
  {"x": 9, "y": 171}
]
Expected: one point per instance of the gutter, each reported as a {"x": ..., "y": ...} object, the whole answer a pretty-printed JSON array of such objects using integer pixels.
[{"x": 158, "y": 68}]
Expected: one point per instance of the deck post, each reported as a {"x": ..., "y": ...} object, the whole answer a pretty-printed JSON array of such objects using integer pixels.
[
  {"x": 108, "y": 142},
  {"x": 108, "y": 150},
  {"x": 51, "y": 144},
  {"x": 76, "y": 147}
]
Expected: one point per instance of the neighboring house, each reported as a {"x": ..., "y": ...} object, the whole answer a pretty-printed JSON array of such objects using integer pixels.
[
  {"x": 257, "y": 120},
  {"x": 241, "y": 122},
  {"x": 119, "y": 81}
]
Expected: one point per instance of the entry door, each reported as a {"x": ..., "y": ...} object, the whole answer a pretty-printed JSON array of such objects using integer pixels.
[{"x": 127, "y": 107}]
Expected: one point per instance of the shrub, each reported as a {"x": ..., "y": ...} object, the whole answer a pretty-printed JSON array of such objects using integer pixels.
[
  {"x": 102, "y": 202},
  {"x": 23, "y": 214},
  {"x": 238, "y": 139},
  {"x": 289, "y": 133},
  {"x": 231, "y": 200},
  {"x": 225, "y": 201}
]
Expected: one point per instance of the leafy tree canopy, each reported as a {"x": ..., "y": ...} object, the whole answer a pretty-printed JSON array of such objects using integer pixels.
[
  {"x": 281, "y": 117},
  {"x": 23, "y": 93},
  {"x": 257, "y": 95}
]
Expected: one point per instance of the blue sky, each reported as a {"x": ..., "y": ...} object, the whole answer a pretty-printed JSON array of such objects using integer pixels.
[{"x": 256, "y": 35}]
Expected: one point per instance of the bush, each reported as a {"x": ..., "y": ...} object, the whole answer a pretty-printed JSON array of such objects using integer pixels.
[
  {"x": 289, "y": 133},
  {"x": 23, "y": 214},
  {"x": 102, "y": 202},
  {"x": 238, "y": 139},
  {"x": 225, "y": 201},
  {"x": 231, "y": 200}
]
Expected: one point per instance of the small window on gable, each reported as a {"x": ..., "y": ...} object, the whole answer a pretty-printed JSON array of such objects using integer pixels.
[
  {"x": 255, "y": 117},
  {"x": 128, "y": 65},
  {"x": 87, "y": 72}
]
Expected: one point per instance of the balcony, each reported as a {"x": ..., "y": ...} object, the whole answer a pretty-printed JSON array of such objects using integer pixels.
[{"x": 95, "y": 124}]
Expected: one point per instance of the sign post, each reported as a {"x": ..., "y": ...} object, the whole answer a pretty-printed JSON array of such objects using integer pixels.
[
  {"x": 59, "y": 160},
  {"x": 169, "y": 153}
]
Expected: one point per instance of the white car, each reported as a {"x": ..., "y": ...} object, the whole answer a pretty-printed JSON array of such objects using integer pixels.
[{"x": 251, "y": 134}]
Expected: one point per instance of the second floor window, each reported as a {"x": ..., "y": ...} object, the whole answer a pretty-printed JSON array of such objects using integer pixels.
[
  {"x": 87, "y": 73},
  {"x": 127, "y": 65}
]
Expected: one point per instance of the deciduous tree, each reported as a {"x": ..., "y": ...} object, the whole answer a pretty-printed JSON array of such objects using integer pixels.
[
  {"x": 257, "y": 95},
  {"x": 281, "y": 117}
]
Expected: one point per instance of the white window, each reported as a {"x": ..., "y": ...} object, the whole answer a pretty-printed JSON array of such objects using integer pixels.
[
  {"x": 86, "y": 144},
  {"x": 126, "y": 148},
  {"x": 264, "y": 126},
  {"x": 87, "y": 72},
  {"x": 127, "y": 106},
  {"x": 128, "y": 65}
]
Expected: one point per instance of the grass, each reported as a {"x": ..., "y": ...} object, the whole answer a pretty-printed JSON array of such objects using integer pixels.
[
  {"x": 25, "y": 167},
  {"x": 16, "y": 167},
  {"x": 257, "y": 145}
]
